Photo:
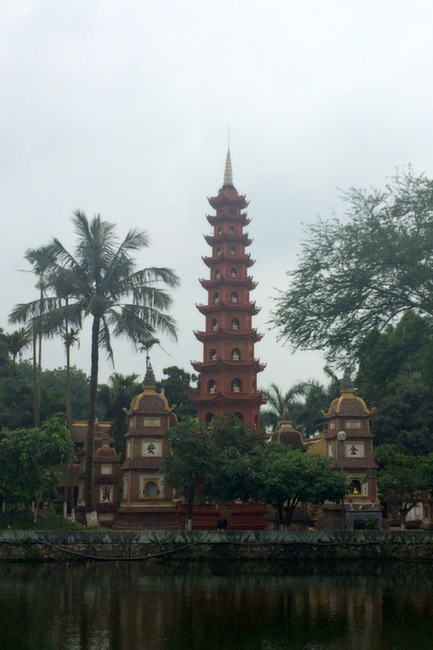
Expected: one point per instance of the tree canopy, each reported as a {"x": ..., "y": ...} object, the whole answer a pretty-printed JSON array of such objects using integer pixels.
[
  {"x": 402, "y": 478},
  {"x": 211, "y": 463},
  {"x": 395, "y": 376},
  {"x": 288, "y": 477},
  {"x": 27, "y": 458},
  {"x": 177, "y": 385},
  {"x": 359, "y": 273}
]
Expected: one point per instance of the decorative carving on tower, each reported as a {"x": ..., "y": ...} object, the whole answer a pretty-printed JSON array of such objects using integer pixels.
[{"x": 229, "y": 368}]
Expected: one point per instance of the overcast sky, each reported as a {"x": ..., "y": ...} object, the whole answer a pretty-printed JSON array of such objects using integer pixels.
[{"x": 121, "y": 108}]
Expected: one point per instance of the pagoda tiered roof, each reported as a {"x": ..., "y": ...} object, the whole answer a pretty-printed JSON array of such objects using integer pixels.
[
  {"x": 247, "y": 282},
  {"x": 249, "y": 307},
  {"x": 214, "y": 335},
  {"x": 228, "y": 194},
  {"x": 258, "y": 397},
  {"x": 215, "y": 219},
  {"x": 219, "y": 363},
  {"x": 222, "y": 237},
  {"x": 217, "y": 259}
]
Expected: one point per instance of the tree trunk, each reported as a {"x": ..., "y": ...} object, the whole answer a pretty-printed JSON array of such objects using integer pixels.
[
  {"x": 68, "y": 344},
  {"x": 38, "y": 382},
  {"x": 35, "y": 377},
  {"x": 68, "y": 388},
  {"x": 91, "y": 514},
  {"x": 190, "y": 492}
]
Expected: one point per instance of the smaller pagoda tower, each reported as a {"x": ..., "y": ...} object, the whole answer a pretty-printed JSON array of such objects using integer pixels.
[
  {"x": 147, "y": 503},
  {"x": 350, "y": 442},
  {"x": 229, "y": 368}
]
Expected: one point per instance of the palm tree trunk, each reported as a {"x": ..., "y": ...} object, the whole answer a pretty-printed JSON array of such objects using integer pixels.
[
  {"x": 68, "y": 387},
  {"x": 91, "y": 514},
  {"x": 35, "y": 377},
  {"x": 38, "y": 382}
]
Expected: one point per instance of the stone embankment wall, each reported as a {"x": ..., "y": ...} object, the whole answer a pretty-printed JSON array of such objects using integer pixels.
[{"x": 217, "y": 546}]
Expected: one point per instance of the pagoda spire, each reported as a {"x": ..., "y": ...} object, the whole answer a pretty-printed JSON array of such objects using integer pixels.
[{"x": 228, "y": 171}]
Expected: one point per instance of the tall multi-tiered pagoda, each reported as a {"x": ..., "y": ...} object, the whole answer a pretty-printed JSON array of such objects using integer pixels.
[{"x": 229, "y": 369}]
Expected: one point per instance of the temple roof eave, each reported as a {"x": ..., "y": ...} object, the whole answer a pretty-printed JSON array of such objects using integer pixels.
[
  {"x": 215, "y": 219},
  {"x": 240, "y": 259},
  {"x": 251, "y": 335},
  {"x": 249, "y": 307},
  {"x": 247, "y": 282},
  {"x": 228, "y": 195},
  {"x": 220, "y": 363},
  {"x": 229, "y": 398},
  {"x": 216, "y": 239}
]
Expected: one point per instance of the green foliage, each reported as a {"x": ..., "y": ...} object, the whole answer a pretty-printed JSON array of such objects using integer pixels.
[
  {"x": 113, "y": 399},
  {"x": 53, "y": 393},
  {"x": 358, "y": 273},
  {"x": 211, "y": 463},
  {"x": 395, "y": 376},
  {"x": 305, "y": 402},
  {"x": 289, "y": 476},
  {"x": 16, "y": 395},
  {"x": 27, "y": 457},
  {"x": 191, "y": 458},
  {"x": 233, "y": 472},
  {"x": 402, "y": 478},
  {"x": 177, "y": 386},
  {"x": 46, "y": 520}
]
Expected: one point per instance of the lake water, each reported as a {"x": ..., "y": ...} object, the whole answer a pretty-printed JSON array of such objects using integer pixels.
[{"x": 127, "y": 606}]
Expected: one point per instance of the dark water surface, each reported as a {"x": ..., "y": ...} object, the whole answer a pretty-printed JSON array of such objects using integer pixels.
[{"x": 126, "y": 606}]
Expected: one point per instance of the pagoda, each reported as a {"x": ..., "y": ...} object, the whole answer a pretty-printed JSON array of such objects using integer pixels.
[{"x": 229, "y": 368}]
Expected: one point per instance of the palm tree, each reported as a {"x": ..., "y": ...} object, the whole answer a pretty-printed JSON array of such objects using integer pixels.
[
  {"x": 113, "y": 398},
  {"x": 17, "y": 341},
  {"x": 278, "y": 404},
  {"x": 310, "y": 398},
  {"x": 70, "y": 337},
  {"x": 101, "y": 281},
  {"x": 42, "y": 260}
]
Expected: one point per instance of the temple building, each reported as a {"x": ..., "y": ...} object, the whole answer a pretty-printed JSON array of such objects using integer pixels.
[
  {"x": 348, "y": 442},
  {"x": 229, "y": 368},
  {"x": 147, "y": 503}
]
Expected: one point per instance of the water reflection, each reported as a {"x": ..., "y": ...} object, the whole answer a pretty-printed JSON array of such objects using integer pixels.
[{"x": 128, "y": 606}]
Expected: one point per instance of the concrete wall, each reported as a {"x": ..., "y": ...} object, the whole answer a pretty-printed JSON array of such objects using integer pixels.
[{"x": 204, "y": 546}]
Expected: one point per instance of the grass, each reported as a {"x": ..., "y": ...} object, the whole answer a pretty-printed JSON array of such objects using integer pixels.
[{"x": 47, "y": 520}]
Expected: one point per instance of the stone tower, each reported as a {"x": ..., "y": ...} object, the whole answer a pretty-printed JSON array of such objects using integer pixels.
[
  {"x": 229, "y": 368},
  {"x": 351, "y": 452}
]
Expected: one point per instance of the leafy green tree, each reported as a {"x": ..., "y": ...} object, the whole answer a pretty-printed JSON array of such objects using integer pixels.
[
  {"x": 289, "y": 477},
  {"x": 27, "y": 458},
  {"x": 100, "y": 280},
  {"x": 233, "y": 472},
  {"x": 54, "y": 391},
  {"x": 395, "y": 376},
  {"x": 16, "y": 396},
  {"x": 402, "y": 479},
  {"x": 113, "y": 399},
  {"x": 359, "y": 273},
  {"x": 177, "y": 385},
  {"x": 4, "y": 356},
  {"x": 211, "y": 464},
  {"x": 190, "y": 462}
]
